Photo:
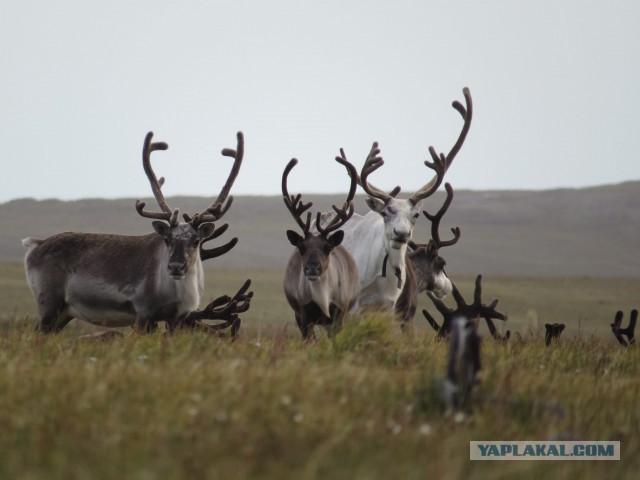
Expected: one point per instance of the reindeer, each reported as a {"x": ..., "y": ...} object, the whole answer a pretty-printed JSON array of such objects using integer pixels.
[
  {"x": 463, "y": 364},
  {"x": 116, "y": 280},
  {"x": 425, "y": 267},
  {"x": 321, "y": 280},
  {"x": 378, "y": 241}
]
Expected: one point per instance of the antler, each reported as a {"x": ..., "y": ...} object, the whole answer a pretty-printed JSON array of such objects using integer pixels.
[
  {"x": 441, "y": 163},
  {"x": 435, "y": 221},
  {"x": 156, "y": 185},
  {"x": 295, "y": 204},
  {"x": 553, "y": 330},
  {"x": 371, "y": 164},
  {"x": 475, "y": 309},
  {"x": 221, "y": 204},
  {"x": 346, "y": 212},
  {"x": 207, "y": 253},
  {"x": 223, "y": 308},
  {"x": 618, "y": 330},
  {"x": 494, "y": 331}
]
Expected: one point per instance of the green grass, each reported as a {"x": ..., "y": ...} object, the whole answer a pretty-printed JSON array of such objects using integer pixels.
[{"x": 363, "y": 404}]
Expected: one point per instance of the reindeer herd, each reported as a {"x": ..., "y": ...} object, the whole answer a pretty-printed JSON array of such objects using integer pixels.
[{"x": 341, "y": 263}]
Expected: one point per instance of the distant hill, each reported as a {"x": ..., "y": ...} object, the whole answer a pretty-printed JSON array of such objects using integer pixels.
[{"x": 590, "y": 232}]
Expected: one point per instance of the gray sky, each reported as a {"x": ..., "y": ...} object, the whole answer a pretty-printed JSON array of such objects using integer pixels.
[{"x": 555, "y": 86}]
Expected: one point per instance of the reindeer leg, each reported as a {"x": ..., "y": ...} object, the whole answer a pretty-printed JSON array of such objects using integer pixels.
[
  {"x": 336, "y": 322},
  {"x": 53, "y": 313},
  {"x": 144, "y": 325},
  {"x": 53, "y": 323},
  {"x": 308, "y": 316}
]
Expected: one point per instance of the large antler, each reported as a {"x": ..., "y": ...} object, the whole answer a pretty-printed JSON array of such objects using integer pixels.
[
  {"x": 346, "y": 212},
  {"x": 295, "y": 204},
  {"x": 474, "y": 310},
  {"x": 223, "y": 308},
  {"x": 436, "y": 218},
  {"x": 156, "y": 185},
  {"x": 221, "y": 204},
  {"x": 371, "y": 164},
  {"x": 441, "y": 163}
]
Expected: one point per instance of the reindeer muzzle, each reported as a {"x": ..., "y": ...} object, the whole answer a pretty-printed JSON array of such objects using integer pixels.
[
  {"x": 177, "y": 270},
  {"x": 399, "y": 239},
  {"x": 312, "y": 272}
]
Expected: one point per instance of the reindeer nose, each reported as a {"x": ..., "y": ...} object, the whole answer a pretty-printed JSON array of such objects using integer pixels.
[
  {"x": 401, "y": 236},
  {"x": 176, "y": 269},
  {"x": 312, "y": 270}
]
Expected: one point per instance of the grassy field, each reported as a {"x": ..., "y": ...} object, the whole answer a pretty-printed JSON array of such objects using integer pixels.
[
  {"x": 365, "y": 404},
  {"x": 586, "y": 305}
]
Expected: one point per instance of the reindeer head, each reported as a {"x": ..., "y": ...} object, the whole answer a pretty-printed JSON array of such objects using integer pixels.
[
  {"x": 315, "y": 250},
  {"x": 183, "y": 243},
  {"x": 427, "y": 262},
  {"x": 400, "y": 215},
  {"x": 183, "y": 240}
]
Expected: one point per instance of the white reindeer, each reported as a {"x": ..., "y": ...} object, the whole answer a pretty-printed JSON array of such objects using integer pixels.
[{"x": 378, "y": 241}]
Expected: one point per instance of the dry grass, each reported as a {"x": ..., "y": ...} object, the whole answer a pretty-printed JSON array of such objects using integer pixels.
[{"x": 364, "y": 404}]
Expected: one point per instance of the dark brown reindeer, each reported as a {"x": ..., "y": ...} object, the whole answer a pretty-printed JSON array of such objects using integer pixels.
[
  {"x": 321, "y": 280},
  {"x": 468, "y": 311},
  {"x": 425, "y": 266},
  {"x": 117, "y": 280}
]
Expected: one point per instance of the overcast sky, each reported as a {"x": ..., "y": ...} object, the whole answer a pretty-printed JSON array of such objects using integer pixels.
[{"x": 555, "y": 86}]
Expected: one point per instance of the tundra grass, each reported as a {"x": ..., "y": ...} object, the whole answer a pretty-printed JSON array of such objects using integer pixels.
[
  {"x": 364, "y": 404},
  {"x": 587, "y": 305}
]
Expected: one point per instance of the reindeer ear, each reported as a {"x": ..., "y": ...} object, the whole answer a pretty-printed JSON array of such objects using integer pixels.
[
  {"x": 432, "y": 249},
  {"x": 161, "y": 228},
  {"x": 336, "y": 238},
  {"x": 294, "y": 238},
  {"x": 205, "y": 230},
  {"x": 375, "y": 204},
  {"x": 418, "y": 205}
]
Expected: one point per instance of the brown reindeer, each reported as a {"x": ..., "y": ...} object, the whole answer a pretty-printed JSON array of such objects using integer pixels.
[
  {"x": 321, "y": 280},
  {"x": 425, "y": 266},
  {"x": 117, "y": 280}
]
